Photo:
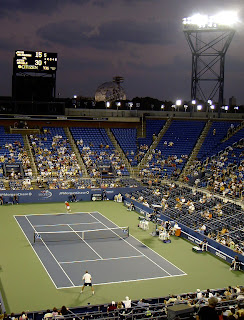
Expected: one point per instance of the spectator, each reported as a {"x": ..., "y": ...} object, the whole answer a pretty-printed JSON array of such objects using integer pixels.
[
  {"x": 120, "y": 305},
  {"x": 6, "y": 316},
  {"x": 199, "y": 294},
  {"x": 111, "y": 307},
  {"x": 240, "y": 311},
  {"x": 142, "y": 303},
  {"x": 55, "y": 312},
  {"x": 64, "y": 311},
  {"x": 23, "y": 316},
  {"x": 48, "y": 315},
  {"x": 208, "y": 312},
  {"x": 127, "y": 302}
]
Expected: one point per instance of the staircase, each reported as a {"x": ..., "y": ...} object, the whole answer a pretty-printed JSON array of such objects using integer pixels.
[
  {"x": 76, "y": 152},
  {"x": 195, "y": 151},
  {"x": 153, "y": 145},
  {"x": 122, "y": 155},
  {"x": 30, "y": 156},
  {"x": 238, "y": 128},
  {"x": 141, "y": 131}
]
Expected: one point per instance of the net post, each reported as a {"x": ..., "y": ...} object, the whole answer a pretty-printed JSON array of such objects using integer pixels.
[
  {"x": 128, "y": 231},
  {"x": 34, "y": 237}
]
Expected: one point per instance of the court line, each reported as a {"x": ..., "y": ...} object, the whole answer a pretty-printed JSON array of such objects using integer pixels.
[
  {"x": 76, "y": 232},
  {"x": 64, "y": 224},
  {"x": 118, "y": 258},
  {"x": 137, "y": 249},
  {"x": 35, "y": 251},
  {"x": 143, "y": 244},
  {"x": 52, "y": 254},
  {"x": 49, "y": 214},
  {"x": 124, "y": 281}
]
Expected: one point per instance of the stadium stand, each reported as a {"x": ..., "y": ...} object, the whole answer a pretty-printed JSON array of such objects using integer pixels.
[
  {"x": 229, "y": 301},
  {"x": 219, "y": 167},
  {"x": 98, "y": 152},
  {"x": 223, "y": 221}
]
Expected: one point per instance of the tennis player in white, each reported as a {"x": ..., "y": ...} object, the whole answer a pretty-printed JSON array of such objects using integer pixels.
[{"x": 87, "y": 278}]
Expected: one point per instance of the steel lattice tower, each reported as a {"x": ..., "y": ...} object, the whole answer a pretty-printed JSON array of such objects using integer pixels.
[{"x": 208, "y": 47}]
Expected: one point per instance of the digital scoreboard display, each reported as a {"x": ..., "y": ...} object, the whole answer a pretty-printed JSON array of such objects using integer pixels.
[{"x": 36, "y": 61}]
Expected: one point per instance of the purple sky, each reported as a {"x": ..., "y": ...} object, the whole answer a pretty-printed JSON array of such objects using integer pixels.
[{"x": 141, "y": 40}]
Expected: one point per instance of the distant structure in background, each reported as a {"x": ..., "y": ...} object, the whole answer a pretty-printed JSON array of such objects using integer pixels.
[
  {"x": 232, "y": 101},
  {"x": 111, "y": 91},
  {"x": 209, "y": 38}
]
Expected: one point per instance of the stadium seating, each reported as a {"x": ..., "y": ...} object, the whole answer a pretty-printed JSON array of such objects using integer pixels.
[
  {"x": 54, "y": 156},
  {"x": 156, "y": 308},
  {"x": 98, "y": 151},
  {"x": 194, "y": 209}
]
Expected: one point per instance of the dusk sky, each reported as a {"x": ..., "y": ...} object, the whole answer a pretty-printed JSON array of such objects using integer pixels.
[{"x": 141, "y": 40}]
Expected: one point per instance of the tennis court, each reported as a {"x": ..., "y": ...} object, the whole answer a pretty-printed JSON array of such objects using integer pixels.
[{"x": 69, "y": 244}]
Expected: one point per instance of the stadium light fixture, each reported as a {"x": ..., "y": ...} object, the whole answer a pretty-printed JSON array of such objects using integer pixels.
[
  {"x": 173, "y": 106},
  {"x": 162, "y": 107},
  {"x": 185, "y": 107},
  {"x": 223, "y": 19},
  {"x": 107, "y": 104},
  {"x": 210, "y": 102},
  {"x": 199, "y": 107},
  {"x": 75, "y": 96},
  {"x": 130, "y": 104},
  {"x": 212, "y": 107},
  {"x": 236, "y": 108},
  {"x": 193, "y": 102},
  {"x": 118, "y": 104},
  {"x": 226, "y": 108},
  {"x": 178, "y": 102}
]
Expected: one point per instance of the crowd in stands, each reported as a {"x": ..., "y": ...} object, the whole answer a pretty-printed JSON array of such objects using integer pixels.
[
  {"x": 53, "y": 155},
  {"x": 159, "y": 166},
  {"x": 222, "y": 173},
  {"x": 14, "y": 160},
  {"x": 204, "y": 213},
  {"x": 58, "y": 167},
  {"x": 98, "y": 152},
  {"x": 226, "y": 303}
]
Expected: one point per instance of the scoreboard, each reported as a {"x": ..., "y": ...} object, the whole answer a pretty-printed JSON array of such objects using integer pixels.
[{"x": 35, "y": 61}]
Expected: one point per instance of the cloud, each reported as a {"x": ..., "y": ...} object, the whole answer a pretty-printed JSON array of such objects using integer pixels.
[
  {"x": 79, "y": 65},
  {"x": 178, "y": 65},
  {"x": 11, "y": 7},
  {"x": 67, "y": 33},
  {"x": 8, "y": 44},
  {"x": 108, "y": 35}
]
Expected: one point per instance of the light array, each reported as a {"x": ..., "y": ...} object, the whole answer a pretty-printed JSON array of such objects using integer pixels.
[{"x": 223, "y": 19}]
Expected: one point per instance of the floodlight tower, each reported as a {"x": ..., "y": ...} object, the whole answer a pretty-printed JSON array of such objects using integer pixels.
[{"x": 209, "y": 38}]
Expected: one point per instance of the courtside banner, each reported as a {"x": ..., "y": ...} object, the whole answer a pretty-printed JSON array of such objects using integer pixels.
[{"x": 59, "y": 195}]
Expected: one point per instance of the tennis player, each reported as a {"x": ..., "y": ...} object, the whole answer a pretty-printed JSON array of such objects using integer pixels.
[
  {"x": 87, "y": 278},
  {"x": 67, "y": 206}
]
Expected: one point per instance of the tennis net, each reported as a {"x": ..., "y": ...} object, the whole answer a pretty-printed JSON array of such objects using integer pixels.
[{"x": 72, "y": 235}]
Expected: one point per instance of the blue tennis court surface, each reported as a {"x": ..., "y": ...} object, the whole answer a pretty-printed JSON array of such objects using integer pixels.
[{"x": 66, "y": 250}]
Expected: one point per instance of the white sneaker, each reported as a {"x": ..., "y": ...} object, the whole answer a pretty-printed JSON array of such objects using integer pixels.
[
  {"x": 93, "y": 292},
  {"x": 81, "y": 291}
]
